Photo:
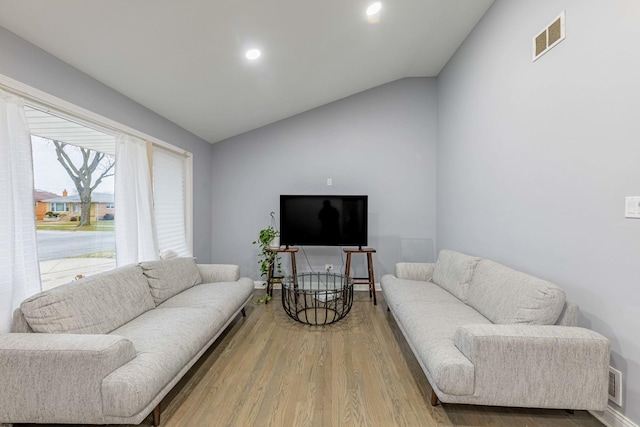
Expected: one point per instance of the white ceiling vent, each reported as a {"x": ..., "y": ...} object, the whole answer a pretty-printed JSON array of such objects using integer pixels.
[{"x": 549, "y": 37}]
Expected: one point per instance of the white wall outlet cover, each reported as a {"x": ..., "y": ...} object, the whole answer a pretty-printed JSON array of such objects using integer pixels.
[{"x": 632, "y": 207}]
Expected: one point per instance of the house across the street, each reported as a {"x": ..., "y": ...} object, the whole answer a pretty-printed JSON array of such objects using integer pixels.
[
  {"x": 102, "y": 206},
  {"x": 42, "y": 207}
]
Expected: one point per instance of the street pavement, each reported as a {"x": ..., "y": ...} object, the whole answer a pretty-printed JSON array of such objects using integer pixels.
[{"x": 56, "y": 244}]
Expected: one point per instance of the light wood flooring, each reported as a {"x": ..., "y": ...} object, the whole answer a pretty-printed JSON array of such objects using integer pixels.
[{"x": 268, "y": 370}]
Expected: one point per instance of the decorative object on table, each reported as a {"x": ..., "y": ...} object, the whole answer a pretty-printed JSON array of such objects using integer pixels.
[
  {"x": 268, "y": 239},
  {"x": 317, "y": 298}
]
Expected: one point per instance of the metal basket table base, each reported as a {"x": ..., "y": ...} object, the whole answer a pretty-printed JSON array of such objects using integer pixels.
[{"x": 317, "y": 298}]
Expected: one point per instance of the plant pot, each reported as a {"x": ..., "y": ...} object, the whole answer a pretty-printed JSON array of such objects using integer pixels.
[{"x": 275, "y": 243}]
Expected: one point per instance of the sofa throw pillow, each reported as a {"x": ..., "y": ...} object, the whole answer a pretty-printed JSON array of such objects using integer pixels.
[
  {"x": 169, "y": 277},
  {"x": 94, "y": 305},
  {"x": 453, "y": 272},
  {"x": 506, "y": 296}
]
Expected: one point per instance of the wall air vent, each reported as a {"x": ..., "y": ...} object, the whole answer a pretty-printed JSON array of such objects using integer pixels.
[
  {"x": 550, "y": 36},
  {"x": 615, "y": 386}
]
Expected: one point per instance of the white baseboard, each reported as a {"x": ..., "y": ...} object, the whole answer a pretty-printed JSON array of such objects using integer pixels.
[
  {"x": 358, "y": 288},
  {"x": 612, "y": 418},
  {"x": 365, "y": 288},
  {"x": 258, "y": 284}
]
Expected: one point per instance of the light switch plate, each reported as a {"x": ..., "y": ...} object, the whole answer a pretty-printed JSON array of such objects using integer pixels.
[{"x": 632, "y": 207}]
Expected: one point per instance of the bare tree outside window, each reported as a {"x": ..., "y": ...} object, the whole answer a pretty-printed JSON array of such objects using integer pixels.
[{"x": 86, "y": 173}]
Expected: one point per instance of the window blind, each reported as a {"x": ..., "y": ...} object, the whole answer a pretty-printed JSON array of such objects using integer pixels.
[{"x": 169, "y": 192}]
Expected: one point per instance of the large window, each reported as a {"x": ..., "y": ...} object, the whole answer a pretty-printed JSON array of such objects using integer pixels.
[
  {"x": 66, "y": 254},
  {"x": 59, "y": 207},
  {"x": 74, "y": 179}
]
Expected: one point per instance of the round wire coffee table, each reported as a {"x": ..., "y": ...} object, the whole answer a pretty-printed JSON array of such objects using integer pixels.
[{"x": 317, "y": 298}]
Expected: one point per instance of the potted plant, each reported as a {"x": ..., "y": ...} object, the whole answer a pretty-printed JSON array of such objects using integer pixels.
[{"x": 268, "y": 240}]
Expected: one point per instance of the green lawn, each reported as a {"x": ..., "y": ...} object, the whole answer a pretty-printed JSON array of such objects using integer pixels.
[{"x": 73, "y": 226}]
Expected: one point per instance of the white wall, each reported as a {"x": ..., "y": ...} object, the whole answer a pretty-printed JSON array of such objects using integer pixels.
[
  {"x": 535, "y": 159},
  {"x": 32, "y": 66},
  {"x": 380, "y": 142}
]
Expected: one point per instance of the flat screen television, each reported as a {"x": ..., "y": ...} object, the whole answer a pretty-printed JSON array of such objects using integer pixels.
[{"x": 318, "y": 220}]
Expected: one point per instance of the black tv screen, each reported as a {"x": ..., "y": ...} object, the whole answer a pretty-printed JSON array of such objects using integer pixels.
[{"x": 323, "y": 220}]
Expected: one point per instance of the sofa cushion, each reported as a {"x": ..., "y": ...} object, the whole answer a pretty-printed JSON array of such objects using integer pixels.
[
  {"x": 415, "y": 270},
  {"x": 166, "y": 342},
  {"x": 95, "y": 305},
  {"x": 397, "y": 291},
  {"x": 506, "y": 296},
  {"x": 430, "y": 330},
  {"x": 211, "y": 273},
  {"x": 226, "y": 297},
  {"x": 169, "y": 277},
  {"x": 453, "y": 272}
]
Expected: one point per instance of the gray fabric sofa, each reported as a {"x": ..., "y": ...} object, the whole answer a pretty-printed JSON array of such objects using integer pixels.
[
  {"x": 488, "y": 335},
  {"x": 106, "y": 349}
]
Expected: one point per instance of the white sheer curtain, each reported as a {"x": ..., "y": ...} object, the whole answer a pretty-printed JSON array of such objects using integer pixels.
[
  {"x": 135, "y": 235},
  {"x": 19, "y": 268}
]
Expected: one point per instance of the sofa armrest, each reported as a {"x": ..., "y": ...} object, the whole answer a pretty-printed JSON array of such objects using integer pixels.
[
  {"x": 211, "y": 273},
  {"x": 415, "y": 270},
  {"x": 59, "y": 375},
  {"x": 536, "y": 364}
]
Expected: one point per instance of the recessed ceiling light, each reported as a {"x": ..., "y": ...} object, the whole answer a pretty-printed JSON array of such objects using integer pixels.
[
  {"x": 253, "y": 54},
  {"x": 374, "y": 8}
]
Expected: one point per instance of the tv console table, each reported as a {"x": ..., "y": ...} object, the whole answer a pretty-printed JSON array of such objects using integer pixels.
[
  {"x": 370, "y": 279},
  {"x": 271, "y": 277}
]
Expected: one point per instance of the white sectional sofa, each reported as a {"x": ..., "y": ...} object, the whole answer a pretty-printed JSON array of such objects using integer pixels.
[
  {"x": 489, "y": 335},
  {"x": 106, "y": 349}
]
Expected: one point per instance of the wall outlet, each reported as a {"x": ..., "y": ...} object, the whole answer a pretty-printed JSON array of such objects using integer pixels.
[
  {"x": 328, "y": 267},
  {"x": 632, "y": 207},
  {"x": 615, "y": 386}
]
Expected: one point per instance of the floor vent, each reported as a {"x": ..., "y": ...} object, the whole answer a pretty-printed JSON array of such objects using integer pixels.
[{"x": 549, "y": 37}]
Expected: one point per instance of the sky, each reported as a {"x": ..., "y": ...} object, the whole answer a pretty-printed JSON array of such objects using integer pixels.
[{"x": 49, "y": 174}]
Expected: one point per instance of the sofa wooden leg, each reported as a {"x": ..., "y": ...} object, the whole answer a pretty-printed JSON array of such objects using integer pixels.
[
  {"x": 244, "y": 313},
  {"x": 434, "y": 398},
  {"x": 156, "y": 416}
]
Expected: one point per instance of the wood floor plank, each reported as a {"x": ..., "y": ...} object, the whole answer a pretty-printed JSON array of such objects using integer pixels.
[{"x": 268, "y": 370}]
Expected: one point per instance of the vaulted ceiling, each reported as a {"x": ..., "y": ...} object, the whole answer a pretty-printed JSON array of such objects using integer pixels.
[{"x": 185, "y": 59}]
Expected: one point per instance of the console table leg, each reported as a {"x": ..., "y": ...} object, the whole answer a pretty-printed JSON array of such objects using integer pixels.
[
  {"x": 372, "y": 280},
  {"x": 270, "y": 281},
  {"x": 293, "y": 265}
]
